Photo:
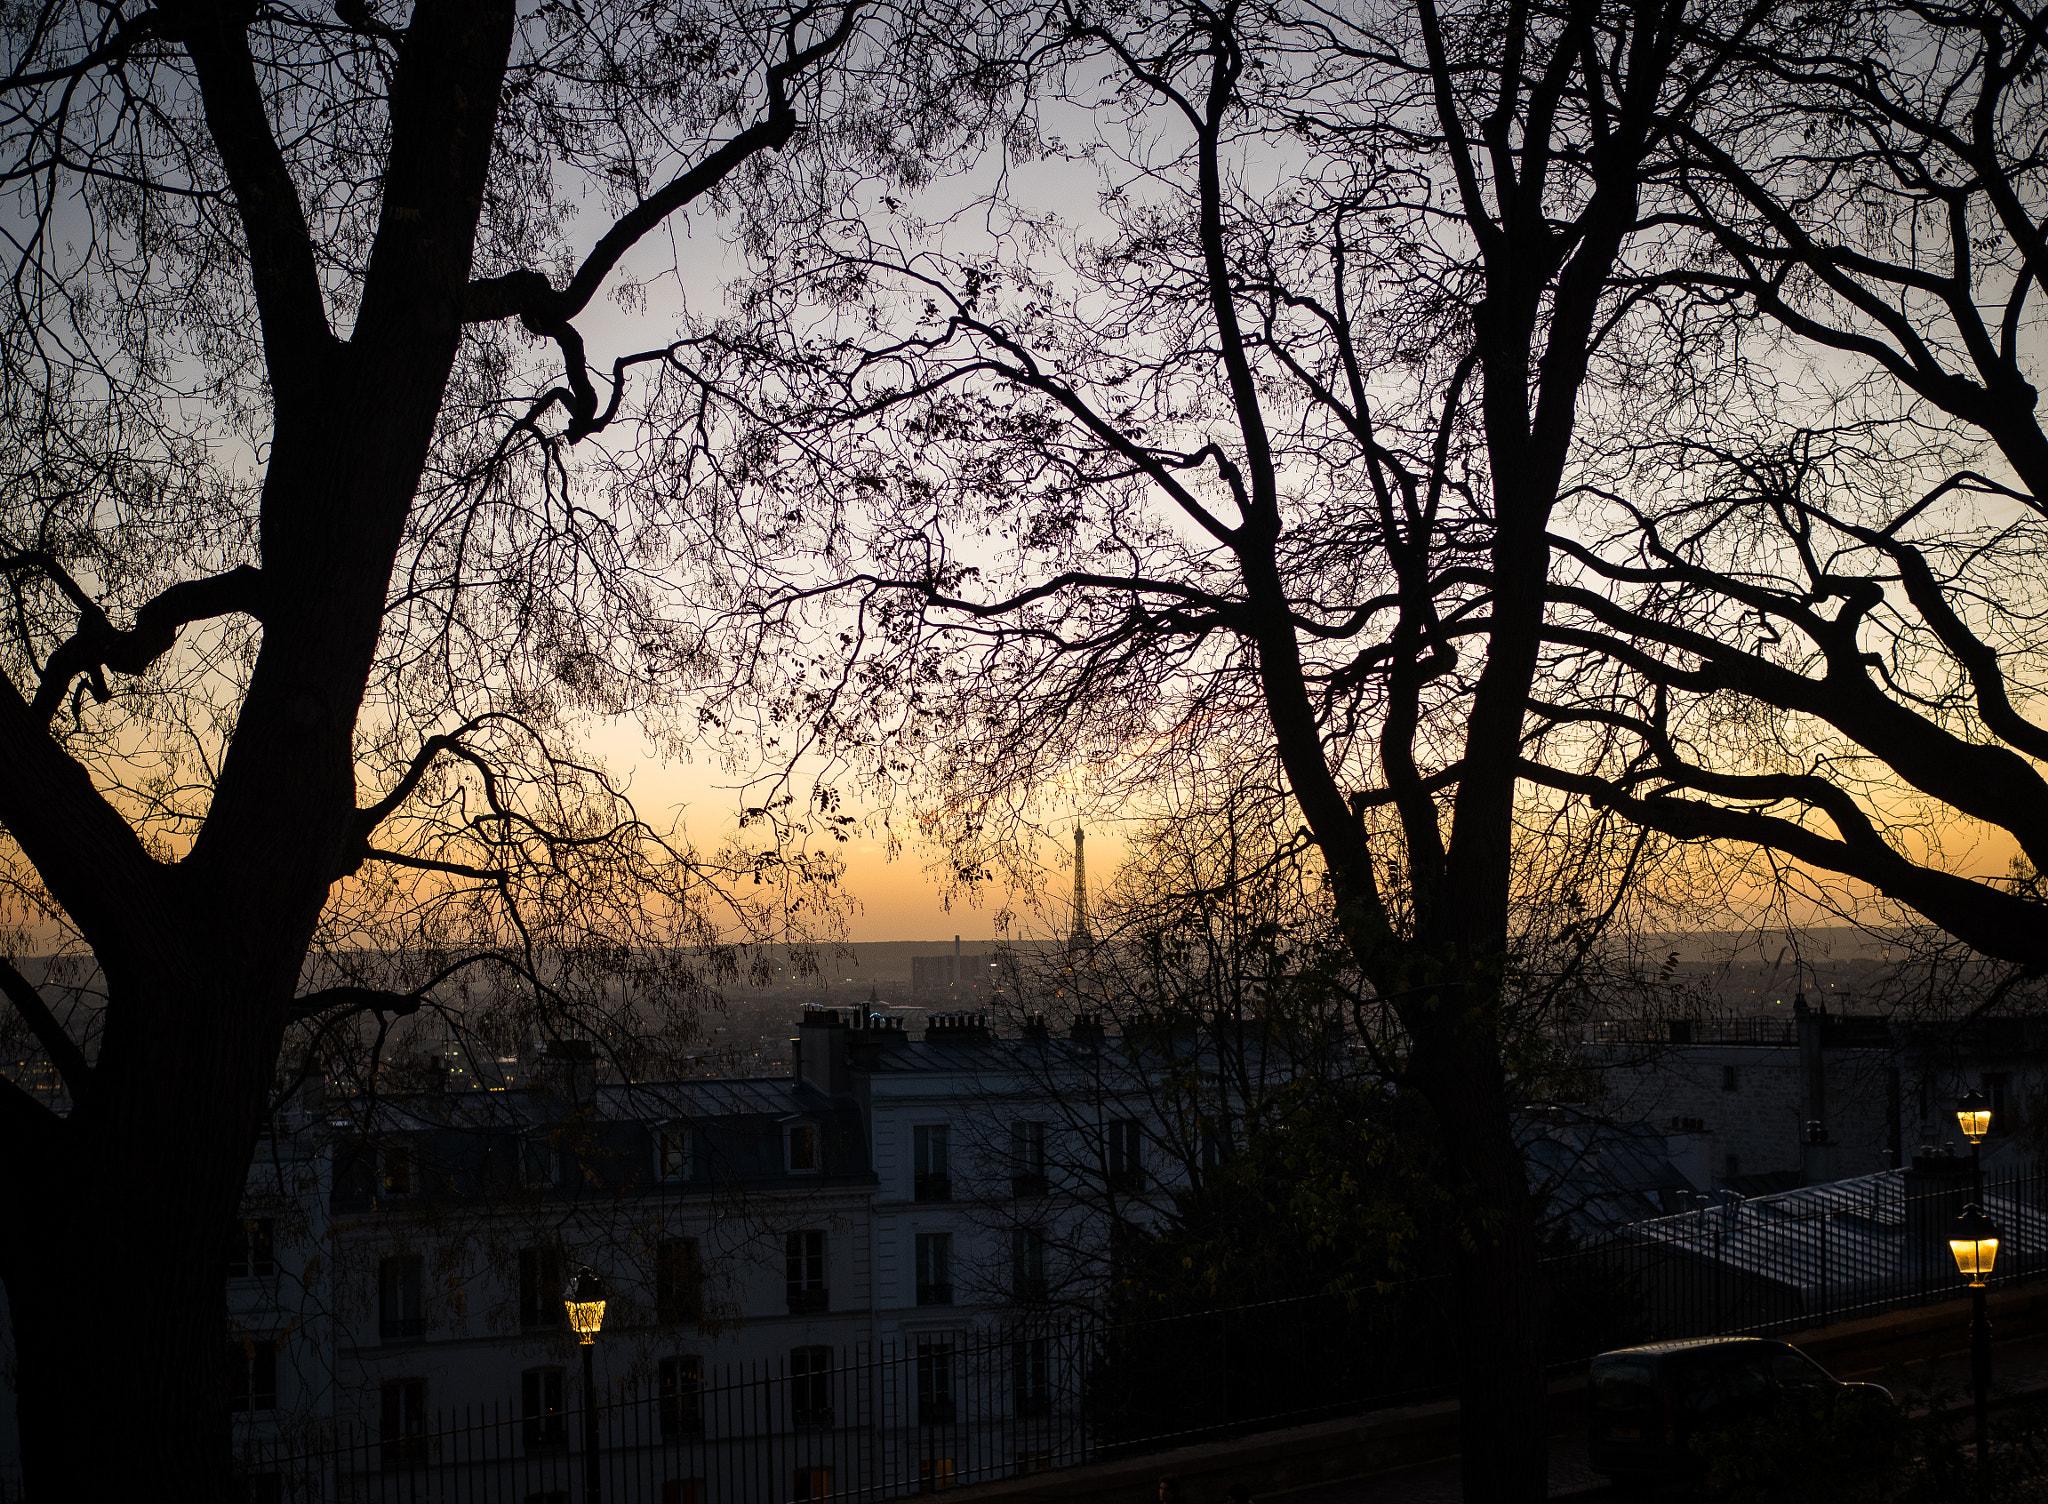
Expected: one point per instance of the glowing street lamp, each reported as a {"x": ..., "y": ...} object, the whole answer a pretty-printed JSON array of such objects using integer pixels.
[
  {"x": 1974, "y": 1242},
  {"x": 1974, "y": 1113},
  {"x": 585, "y": 1299}
]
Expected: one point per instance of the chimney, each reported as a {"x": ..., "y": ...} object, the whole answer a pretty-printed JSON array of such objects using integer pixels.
[
  {"x": 820, "y": 1050},
  {"x": 869, "y": 1037},
  {"x": 1086, "y": 1031},
  {"x": 962, "y": 1027},
  {"x": 1816, "y": 1156},
  {"x": 569, "y": 1069}
]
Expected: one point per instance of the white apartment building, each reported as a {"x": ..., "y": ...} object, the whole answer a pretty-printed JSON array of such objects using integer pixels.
[{"x": 861, "y": 1272}]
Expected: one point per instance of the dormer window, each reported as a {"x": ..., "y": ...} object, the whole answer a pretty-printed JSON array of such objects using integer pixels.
[
  {"x": 672, "y": 1151},
  {"x": 805, "y": 1157}
]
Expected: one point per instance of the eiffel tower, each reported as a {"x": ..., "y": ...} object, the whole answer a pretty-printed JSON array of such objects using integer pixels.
[{"x": 1080, "y": 941}]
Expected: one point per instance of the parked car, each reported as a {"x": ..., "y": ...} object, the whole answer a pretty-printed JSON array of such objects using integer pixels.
[{"x": 1646, "y": 1404}]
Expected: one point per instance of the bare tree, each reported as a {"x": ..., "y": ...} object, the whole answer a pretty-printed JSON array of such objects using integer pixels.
[
  {"x": 1265, "y": 455},
  {"x": 308, "y": 595},
  {"x": 1808, "y": 623}
]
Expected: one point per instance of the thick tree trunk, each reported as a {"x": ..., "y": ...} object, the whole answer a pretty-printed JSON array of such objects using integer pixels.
[
  {"x": 115, "y": 1283},
  {"x": 1497, "y": 1285}
]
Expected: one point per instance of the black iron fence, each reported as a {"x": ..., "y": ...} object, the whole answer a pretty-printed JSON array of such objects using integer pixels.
[{"x": 1028, "y": 1393}]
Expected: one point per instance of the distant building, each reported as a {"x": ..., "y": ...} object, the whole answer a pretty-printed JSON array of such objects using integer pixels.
[
  {"x": 1776, "y": 1103},
  {"x": 956, "y": 980},
  {"x": 404, "y": 1257}
]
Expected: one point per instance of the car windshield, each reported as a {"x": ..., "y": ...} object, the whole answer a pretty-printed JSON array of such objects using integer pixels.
[
  {"x": 1622, "y": 1388},
  {"x": 1792, "y": 1369}
]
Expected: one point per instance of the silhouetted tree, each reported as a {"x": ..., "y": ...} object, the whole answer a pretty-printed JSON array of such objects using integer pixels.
[
  {"x": 306, "y": 598},
  {"x": 1265, "y": 456}
]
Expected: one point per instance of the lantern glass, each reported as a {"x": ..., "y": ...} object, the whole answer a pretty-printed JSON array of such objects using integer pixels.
[
  {"x": 1974, "y": 1242},
  {"x": 585, "y": 1302},
  {"x": 1974, "y": 1114}
]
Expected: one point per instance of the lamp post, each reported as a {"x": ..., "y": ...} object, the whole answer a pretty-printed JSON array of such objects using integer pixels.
[
  {"x": 1974, "y": 1241},
  {"x": 1973, "y": 1112},
  {"x": 585, "y": 1299}
]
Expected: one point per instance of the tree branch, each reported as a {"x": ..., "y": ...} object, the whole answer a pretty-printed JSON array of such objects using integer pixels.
[
  {"x": 57, "y": 1042},
  {"x": 98, "y": 644}
]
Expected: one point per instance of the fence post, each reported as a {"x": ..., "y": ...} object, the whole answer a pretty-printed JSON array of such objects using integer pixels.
[{"x": 1826, "y": 1216}]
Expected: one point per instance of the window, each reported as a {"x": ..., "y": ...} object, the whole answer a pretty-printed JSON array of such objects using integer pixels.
[
  {"x": 1034, "y": 1462},
  {"x": 539, "y": 1164},
  {"x": 810, "y": 1386},
  {"x": 804, "y": 1268},
  {"x": 928, "y": 1146},
  {"x": 682, "y": 1397},
  {"x": 672, "y": 1152},
  {"x": 1027, "y": 1159},
  {"x": 1027, "y": 1263},
  {"x": 1031, "y": 1376},
  {"x": 813, "y": 1484},
  {"x": 1728, "y": 1078},
  {"x": 540, "y": 1287},
  {"x": 402, "y": 1422},
  {"x": 804, "y": 1158},
  {"x": 249, "y": 1255},
  {"x": 540, "y": 1409},
  {"x": 398, "y": 1298},
  {"x": 934, "y": 1474},
  {"x": 263, "y": 1488},
  {"x": 934, "y": 1268},
  {"x": 678, "y": 1281},
  {"x": 397, "y": 1170},
  {"x": 1731, "y": 1167},
  {"x": 1126, "y": 1157},
  {"x": 935, "y": 1405},
  {"x": 252, "y": 1375},
  {"x": 682, "y": 1491}
]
